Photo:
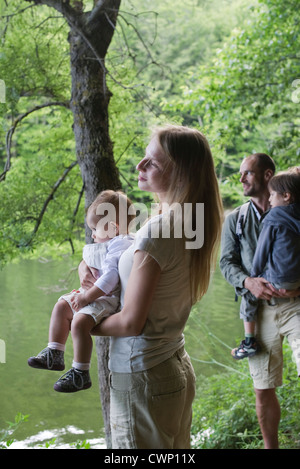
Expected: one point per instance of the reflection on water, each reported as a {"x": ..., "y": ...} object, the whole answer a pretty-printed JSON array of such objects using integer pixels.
[
  {"x": 55, "y": 438},
  {"x": 29, "y": 291}
]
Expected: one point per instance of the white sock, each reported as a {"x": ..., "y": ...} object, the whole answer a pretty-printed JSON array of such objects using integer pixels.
[
  {"x": 81, "y": 366},
  {"x": 57, "y": 346}
]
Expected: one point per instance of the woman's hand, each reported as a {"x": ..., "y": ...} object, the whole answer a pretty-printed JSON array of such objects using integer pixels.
[{"x": 87, "y": 275}]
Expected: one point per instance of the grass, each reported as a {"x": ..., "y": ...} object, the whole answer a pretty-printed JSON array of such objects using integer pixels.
[{"x": 224, "y": 411}]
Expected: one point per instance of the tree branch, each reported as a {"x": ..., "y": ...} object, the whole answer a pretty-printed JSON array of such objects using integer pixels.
[
  {"x": 11, "y": 131},
  {"x": 63, "y": 6},
  {"x": 81, "y": 193},
  {"x": 47, "y": 201},
  {"x": 98, "y": 10}
]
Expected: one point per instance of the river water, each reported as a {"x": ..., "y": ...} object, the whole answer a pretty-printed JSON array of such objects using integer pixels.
[{"x": 29, "y": 289}]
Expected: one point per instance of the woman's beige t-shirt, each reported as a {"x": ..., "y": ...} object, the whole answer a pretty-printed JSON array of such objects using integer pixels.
[{"x": 163, "y": 332}]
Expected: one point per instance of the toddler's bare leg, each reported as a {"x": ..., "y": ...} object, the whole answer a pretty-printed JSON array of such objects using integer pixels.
[
  {"x": 249, "y": 327},
  {"x": 82, "y": 325},
  {"x": 60, "y": 323},
  {"x": 52, "y": 357},
  {"x": 78, "y": 377}
]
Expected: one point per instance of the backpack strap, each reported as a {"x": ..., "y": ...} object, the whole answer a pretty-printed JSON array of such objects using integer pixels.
[
  {"x": 240, "y": 228},
  {"x": 241, "y": 220}
]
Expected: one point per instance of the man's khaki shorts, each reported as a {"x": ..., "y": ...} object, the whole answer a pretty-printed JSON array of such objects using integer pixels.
[{"x": 274, "y": 322}]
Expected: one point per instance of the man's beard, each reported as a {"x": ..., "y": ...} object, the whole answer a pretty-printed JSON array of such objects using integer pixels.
[
  {"x": 252, "y": 191},
  {"x": 249, "y": 191}
]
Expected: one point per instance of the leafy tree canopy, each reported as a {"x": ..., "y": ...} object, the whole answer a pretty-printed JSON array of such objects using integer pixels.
[
  {"x": 247, "y": 96},
  {"x": 226, "y": 67}
]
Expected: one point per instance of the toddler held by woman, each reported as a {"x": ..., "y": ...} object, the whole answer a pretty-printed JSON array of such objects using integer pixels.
[{"x": 81, "y": 310}]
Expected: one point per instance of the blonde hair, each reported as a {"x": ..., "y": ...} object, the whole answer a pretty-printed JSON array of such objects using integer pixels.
[
  {"x": 120, "y": 201},
  {"x": 193, "y": 180}
]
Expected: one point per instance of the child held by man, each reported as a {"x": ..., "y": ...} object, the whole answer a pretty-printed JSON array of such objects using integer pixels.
[{"x": 277, "y": 256}]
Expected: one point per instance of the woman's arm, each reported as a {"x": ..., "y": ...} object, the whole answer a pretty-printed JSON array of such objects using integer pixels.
[
  {"x": 142, "y": 283},
  {"x": 87, "y": 275}
]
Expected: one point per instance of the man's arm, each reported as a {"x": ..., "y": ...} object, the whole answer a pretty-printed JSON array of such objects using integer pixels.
[
  {"x": 231, "y": 265},
  {"x": 264, "y": 290},
  {"x": 230, "y": 260},
  {"x": 259, "y": 287}
]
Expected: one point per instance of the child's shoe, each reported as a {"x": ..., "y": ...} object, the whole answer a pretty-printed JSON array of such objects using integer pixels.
[
  {"x": 73, "y": 380},
  {"x": 48, "y": 359},
  {"x": 245, "y": 349}
]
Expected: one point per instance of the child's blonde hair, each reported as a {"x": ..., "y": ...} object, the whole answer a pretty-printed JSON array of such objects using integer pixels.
[{"x": 124, "y": 207}]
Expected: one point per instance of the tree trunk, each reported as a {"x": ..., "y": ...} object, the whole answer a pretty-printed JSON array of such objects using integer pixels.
[
  {"x": 89, "y": 104},
  {"x": 90, "y": 36},
  {"x": 102, "y": 350}
]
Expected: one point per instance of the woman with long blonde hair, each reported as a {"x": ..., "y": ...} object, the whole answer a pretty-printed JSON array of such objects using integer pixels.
[
  {"x": 193, "y": 182},
  {"x": 162, "y": 276}
]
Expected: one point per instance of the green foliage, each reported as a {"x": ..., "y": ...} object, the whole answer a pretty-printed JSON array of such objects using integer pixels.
[
  {"x": 153, "y": 47},
  {"x": 36, "y": 210},
  {"x": 167, "y": 42},
  {"x": 30, "y": 187},
  {"x": 5, "y": 439},
  {"x": 245, "y": 95},
  {"x": 229, "y": 68},
  {"x": 81, "y": 445},
  {"x": 224, "y": 414}
]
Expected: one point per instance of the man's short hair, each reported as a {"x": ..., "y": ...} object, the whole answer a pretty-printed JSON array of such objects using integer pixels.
[{"x": 264, "y": 161}]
